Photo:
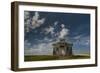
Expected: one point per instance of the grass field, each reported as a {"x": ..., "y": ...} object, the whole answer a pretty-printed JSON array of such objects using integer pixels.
[{"x": 50, "y": 57}]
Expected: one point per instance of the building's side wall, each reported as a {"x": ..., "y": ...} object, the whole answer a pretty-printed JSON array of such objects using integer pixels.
[{"x": 67, "y": 50}]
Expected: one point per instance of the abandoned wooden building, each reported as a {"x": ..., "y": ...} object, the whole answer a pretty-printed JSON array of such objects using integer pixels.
[{"x": 62, "y": 48}]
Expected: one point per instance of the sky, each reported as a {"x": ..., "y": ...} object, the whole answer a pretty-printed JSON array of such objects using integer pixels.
[{"x": 42, "y": 29}]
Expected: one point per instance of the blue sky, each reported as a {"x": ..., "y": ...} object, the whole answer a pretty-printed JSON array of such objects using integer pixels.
[{"x": 42, "y": 29}]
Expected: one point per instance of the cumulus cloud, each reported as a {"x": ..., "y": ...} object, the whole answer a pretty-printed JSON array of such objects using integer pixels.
[
  {"x": 64, "y": 31},
  {"x": 40, "y": 49},
  {"x": 48, "y": 30},
  {"x": 27, "y": 45},
  {"x": 43, "y": 47},
  {"x": 56, "y": 34},
  {"x": 27, "y": 24},
  {"x": 32, "y": 22},
  {"x": 55, "y": 23},
  {"x": 26, "y": 15},
  {"x": 27, "y": 20},
  {"x": 62, "y": 25},
  {"x": 36, "y": 16},
  {"x": 36, "y": 22},
  {"x": 80, "y": 40},
  {"x": 77, "y": 37},
  {"x": 47, "y": 39}
]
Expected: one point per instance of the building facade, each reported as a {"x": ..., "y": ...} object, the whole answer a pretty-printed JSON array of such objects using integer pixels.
[{"x": 62, "y": 48}]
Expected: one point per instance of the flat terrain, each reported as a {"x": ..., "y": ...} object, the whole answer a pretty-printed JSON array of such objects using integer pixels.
[{"x": 50, "y": 57}]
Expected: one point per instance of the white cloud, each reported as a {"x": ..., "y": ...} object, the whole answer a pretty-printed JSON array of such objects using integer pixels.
[
  {"x": 27, "y": 45},
  {"x": 27, "y": 25},
  {"x": 36, "y": 22},
  {"x": 87, "y": 42},
  {"x": 62, "y": 25},
  {"x": 26, "y": 15},
  {"x": 77, "y": 37},
  {"x": 40, "y": 49},
  {"x": 27, "y": 20},
  {"x": 33, "y": 22},
  {"x": 64, "y": 31},
  {"x": 44, "y": 47},
  {"x": 48, "y": 30},
  {"x": 56, "y": 34},
  {"x": 55, "y": 23},
  {"x": 36, "y": 16},
  {"x": 82, "y": 40},
  {"x": 47, "y": 39}
]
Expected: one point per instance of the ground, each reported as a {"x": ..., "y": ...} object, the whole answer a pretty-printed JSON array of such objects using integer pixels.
[{"x": 50, "y": 57}]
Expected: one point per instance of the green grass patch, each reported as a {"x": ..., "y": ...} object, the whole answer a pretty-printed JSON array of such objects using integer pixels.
[
  {"x": 40, "y": 57},
  {"x": 50, "y": 57}
]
